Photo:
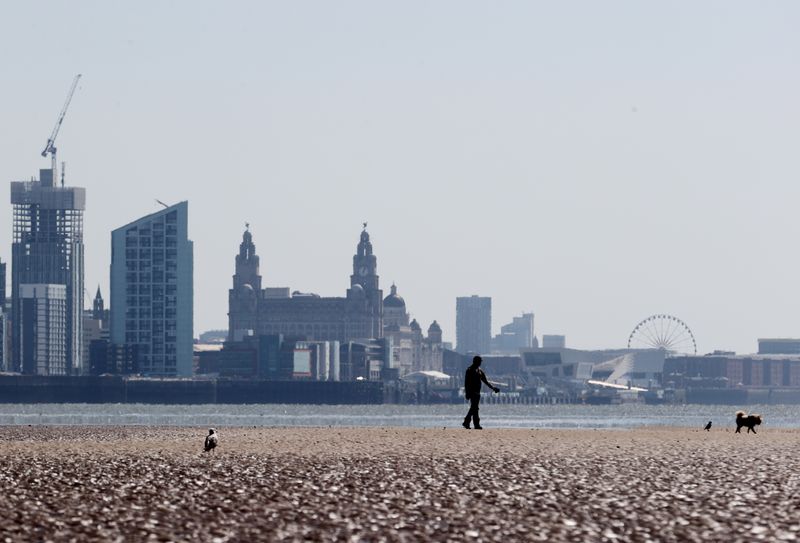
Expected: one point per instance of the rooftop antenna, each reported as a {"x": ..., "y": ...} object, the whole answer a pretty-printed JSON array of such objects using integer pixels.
[
  {"x": 162, "y": 203},
  {"x": 50, "y": 148},
  {"x": 63, "y": 171}
]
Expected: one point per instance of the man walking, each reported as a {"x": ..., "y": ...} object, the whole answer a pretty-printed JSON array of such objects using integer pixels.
[{"x": 472, "y": 389}]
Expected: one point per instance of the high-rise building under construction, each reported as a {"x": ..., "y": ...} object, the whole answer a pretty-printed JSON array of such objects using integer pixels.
[{"x": 48, "y": 250}]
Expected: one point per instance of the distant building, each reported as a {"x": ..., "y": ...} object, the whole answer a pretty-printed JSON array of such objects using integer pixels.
[
  {"x": 271, "y": 311},
  {"x": 432, "y": 349},
  {"x": 369, "y": 360},
  {"x": 554, "y": 342},
  {"x": 108, "y": 358},
  {"x": 412, "y": 351},
  {"x": 95, "y": 327},
  {"x": 778, "y": 346},
  {"x": 637, "y": 367},
  {"x": 47, "y": 249},
  {"x": 213, "y": 336},
  {"x": 42, "y": 344},
  {"x": 152, "y": 291},
  {"x": 474, "y": 324},
  {"x": 497, "y": 367},
  {"x": 271, "y": 357},
  {"x": 5, "y": 322},
  {"x": 5, "y": 342},
  {"x": 99, "y": 311},
  {"x": 516, "y": 335},
  {"x": 236, "y": 359},
  {"x": 732, "y": 371},
  {"x": 2, "y": 286},
  {"x": 325, "y": 360}
]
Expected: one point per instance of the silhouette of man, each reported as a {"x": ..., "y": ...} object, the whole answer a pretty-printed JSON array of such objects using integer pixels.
[{"x": 472, "y": 390}]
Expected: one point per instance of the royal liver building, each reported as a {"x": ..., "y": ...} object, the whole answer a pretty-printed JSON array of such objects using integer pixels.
[{"x": 253, "y": 310}]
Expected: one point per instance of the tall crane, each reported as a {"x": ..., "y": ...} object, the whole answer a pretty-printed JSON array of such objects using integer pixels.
[{"x": 51, "y": 141}]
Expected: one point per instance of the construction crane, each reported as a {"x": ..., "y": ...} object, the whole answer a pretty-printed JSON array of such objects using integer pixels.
[{"x": 51, "y": 141}]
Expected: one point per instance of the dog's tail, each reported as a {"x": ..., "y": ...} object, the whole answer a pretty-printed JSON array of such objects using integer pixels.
[{"x": 740, "y": 414}]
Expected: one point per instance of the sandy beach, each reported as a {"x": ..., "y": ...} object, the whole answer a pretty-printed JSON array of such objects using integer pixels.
[{"x": 372, "y": 484}]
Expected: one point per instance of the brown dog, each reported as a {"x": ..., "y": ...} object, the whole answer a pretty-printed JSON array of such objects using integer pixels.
[{"x": 750, "y": 421}]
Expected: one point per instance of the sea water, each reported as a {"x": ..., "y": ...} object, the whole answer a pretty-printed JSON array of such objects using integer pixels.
[{"x": 418, "y": 416}]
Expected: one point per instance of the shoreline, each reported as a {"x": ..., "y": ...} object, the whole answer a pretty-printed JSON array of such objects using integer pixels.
[{"x": 304, "y": 416}]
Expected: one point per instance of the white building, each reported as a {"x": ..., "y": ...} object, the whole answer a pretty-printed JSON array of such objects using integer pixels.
[{"x": 42, "y": 341}]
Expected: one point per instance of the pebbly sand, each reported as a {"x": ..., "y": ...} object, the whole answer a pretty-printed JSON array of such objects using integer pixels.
[{"x": 371, "y": 484}]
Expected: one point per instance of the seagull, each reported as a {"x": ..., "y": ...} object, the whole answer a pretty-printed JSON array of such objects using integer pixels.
[
  {"x": 211, "y": 439},
  {"x": 708, "y": 427}
]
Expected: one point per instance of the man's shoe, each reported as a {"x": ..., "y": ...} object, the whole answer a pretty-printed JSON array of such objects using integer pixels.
[
  {"x": 465, "y": 425},
  {"x": 479, "y": 427}
]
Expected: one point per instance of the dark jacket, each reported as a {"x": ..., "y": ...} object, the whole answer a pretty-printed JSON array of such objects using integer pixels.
[{"x": 472, "y": 381}]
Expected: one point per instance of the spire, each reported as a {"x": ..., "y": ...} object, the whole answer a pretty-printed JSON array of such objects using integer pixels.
[
  {"x": 364, "y": 245},
  {"x": 98, "y": 307},
  {"x": 247, "y": 262},
  {"x": 247, "y": 249}
]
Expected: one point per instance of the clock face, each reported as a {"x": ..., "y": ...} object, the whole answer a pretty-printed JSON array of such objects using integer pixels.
[{"x": 363, "y": 270}]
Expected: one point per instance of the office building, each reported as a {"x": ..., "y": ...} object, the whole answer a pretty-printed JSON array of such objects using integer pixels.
[
  {"x": 516, "y": 335},
  {"x": 42, "y": 340},
  {"x": 5, "y": 334},
  {"x": 474, "y": 324},
  {"x": 554, "y": 342},
  {"x": 47, "y": 249},
  {"x": 5, "y": 342},
  {"x": 2, "y": 286},
  {"x": 271, "y": 357},
  {"x": 108, "y": 358},
  {"x": 368, "y": 360},
  {"x": 763, "y": 371},
  {"x": 778, "y": 346},
  {"x": 152, "y": 291}
]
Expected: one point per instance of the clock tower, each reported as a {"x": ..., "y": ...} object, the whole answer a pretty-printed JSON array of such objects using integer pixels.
[
  {"x": 365, "y": 265},
  {"x": 364, "y": 295}
]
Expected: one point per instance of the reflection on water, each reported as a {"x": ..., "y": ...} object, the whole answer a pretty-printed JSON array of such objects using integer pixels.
[{"x": 421, "y": 416}]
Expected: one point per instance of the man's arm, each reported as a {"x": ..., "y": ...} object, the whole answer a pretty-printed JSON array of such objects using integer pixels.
[{"x": 488, "y": 384}]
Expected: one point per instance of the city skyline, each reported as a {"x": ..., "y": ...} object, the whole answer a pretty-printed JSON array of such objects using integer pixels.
[{"x": 636, "y": 161}]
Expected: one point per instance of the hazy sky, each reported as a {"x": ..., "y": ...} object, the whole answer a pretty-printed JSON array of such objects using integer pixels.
[{"x": 593, "y": 162}]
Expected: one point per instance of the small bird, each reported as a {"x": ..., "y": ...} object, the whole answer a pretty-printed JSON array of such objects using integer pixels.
[
  {"x": 708, "y": 427},
  {"x": 211, "y": 439}
]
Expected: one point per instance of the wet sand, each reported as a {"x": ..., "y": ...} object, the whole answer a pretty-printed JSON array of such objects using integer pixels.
[{"x": 372, "y": 484}]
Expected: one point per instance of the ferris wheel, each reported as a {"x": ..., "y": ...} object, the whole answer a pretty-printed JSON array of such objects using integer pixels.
[{"x": 663, "y": 332}]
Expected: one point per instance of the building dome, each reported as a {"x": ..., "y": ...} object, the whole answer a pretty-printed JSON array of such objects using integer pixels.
[
  {"x": 415, "y": 326},
  {"x": 393, "y": 300},
  {"x": 247, "y": 292},
  {"x": 434, "y": 327},
  {"x": 357, "y": 290}
]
